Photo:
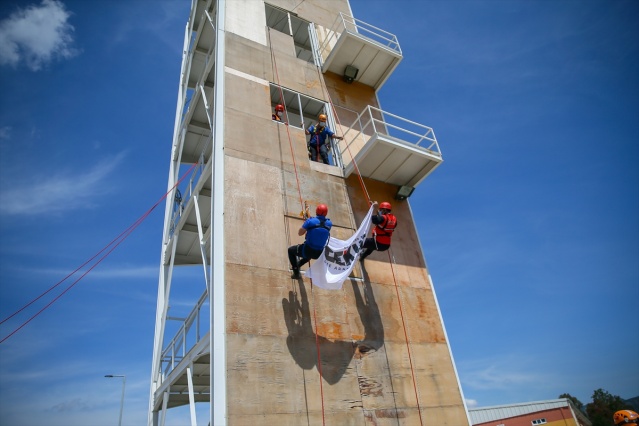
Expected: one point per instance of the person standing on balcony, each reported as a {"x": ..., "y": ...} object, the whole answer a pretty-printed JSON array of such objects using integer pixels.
[
  {"x": 317, "y": 143},
  {"x": 317, "y": 230},
  {"x": 279, "y": 113},
  {"x": 385, "y": 223}
]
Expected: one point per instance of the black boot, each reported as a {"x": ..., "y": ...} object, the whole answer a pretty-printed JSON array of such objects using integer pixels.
[
  {"x": 296, "y": 270},
  {"x": 296, "y": 273}
]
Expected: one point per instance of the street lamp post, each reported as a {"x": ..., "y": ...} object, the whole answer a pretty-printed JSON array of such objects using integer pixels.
[{"x": 110, "y": 376}]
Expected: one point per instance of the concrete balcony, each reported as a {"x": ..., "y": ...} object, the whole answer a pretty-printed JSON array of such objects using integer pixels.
[
  {"x": 375, "y": 53},
  {"x": 389, "y": 148}
]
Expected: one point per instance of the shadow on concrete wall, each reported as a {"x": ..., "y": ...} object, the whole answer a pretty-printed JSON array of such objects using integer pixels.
[{"x": 336, "y": 355}]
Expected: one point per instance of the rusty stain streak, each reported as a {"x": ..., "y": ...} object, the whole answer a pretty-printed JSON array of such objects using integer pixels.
[
  {"x": 370, "y": 418},
  {"x": 370, "y": 387},
  {"x": 331, "y": 330},
  {"x": 390, "y": 413}
]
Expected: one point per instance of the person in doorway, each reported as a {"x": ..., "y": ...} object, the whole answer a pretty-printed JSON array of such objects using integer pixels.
[
  {"x": 278, "y": 115},
  {"x": 317, "y": 230},
  {"x": 384, "y": 224},
  {"x": 317, "y": 144}
]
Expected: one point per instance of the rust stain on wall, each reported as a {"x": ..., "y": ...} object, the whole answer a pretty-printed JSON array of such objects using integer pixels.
[
  {"x": 332, "y": 331},
  {"x": 370, "y": 387}
]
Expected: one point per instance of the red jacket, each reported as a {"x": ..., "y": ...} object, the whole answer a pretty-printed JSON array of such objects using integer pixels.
[{"x": 384, "y": 230}]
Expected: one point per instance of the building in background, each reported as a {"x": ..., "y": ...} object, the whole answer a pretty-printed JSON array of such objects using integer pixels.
[
  {"x": 233, "y": 330},
  {"x": 554, "y": 412}
]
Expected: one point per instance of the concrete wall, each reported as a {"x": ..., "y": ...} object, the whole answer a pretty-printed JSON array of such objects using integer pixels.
[{"x": 275, "y": 323}]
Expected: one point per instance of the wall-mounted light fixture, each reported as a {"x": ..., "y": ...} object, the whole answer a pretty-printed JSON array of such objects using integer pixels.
[
  {"x": 404, "y": 192},
  {"x": 350, "y": 74}
]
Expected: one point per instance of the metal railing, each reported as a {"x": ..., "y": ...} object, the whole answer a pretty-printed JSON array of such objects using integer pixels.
[
  {"x": 376, "y": 122},
  {"x": 355, "y": 26},
  {"x": 208, "y": 57},
  {"x": 185, "y": 338},
  {"x": 180, "y": 199}
]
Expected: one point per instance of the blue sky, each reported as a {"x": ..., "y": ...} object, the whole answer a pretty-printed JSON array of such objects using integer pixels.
[{"x": 530, "y": 227}]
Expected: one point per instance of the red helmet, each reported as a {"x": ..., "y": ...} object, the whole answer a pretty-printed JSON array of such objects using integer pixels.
[
  {"x": 321, "y": 210},
  {"x": 385, "y": 205},
  {"x": 279, "y": 107}
]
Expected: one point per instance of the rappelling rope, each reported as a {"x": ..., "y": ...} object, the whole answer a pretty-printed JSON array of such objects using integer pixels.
[
  {"x": 332, "y": 106},
  {"x": 399, "y": 300},
  {"x": 365, "y": 191},
  {"x": 391, "y": 260},
  {"x": 304, "y": 210},
  {"x": 114, "y": 243},
  {"x": 288, "y": 133},
  {"x": 319, "y": 356}
]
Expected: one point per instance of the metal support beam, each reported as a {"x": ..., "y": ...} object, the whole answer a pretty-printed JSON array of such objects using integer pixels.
[
  {"x": 205, "y": 262},
  {"x": 207, "y": 107},
  {"x": 165, "y": 406},
  {"x": 189, "y": 376},
  {"x": 217, "y": 295}
]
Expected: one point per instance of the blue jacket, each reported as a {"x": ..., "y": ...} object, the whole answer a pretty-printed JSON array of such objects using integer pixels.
[
  {"x": 317, "y": 233},
  {"x": 321, "y": 136}
]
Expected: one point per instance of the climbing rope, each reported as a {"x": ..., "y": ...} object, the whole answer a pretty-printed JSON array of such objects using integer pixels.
[
  {"x": 365, "y": 191},
  {"x": 391, "y": 260},
  {"x": 304, "y": 214},
  {"x": 319, "y": 356},
  {"x": 332, "y": 106},
  {"x": 113, "y": 244},
  {"x": 399, "y": 300},
  {"x": 288, "y": 132}
]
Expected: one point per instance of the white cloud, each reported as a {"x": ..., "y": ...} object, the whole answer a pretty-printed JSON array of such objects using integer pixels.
[
  {"x": 36, "y": 35},
  {"x": 117, "y": 271},
  {"x": 46, "y": 194},
  {"x": 471, "y": 403},
  {"x": 508, "y": 373}
]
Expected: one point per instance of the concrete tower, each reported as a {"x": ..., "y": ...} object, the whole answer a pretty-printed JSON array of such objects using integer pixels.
[{"x": 233, "y": 329}]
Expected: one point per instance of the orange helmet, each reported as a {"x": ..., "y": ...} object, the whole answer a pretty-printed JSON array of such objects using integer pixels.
[
  {"x": 625, "y": 416},
  {"x": 322, "y": 117},
  {"x": 279, "y": 107},
  {"x": 321, "y": 210},
  {"x": 385, "y": 205}
]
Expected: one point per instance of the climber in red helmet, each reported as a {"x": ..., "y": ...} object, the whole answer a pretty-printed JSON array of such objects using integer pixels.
[
  {"x": 318, "y": 231},
  {"x": 385, "y": 223},
  {"x": 279, "y": 113}
]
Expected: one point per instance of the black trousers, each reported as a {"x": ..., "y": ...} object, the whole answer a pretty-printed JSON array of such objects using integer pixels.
[
  {"x": 371, "y": 245},
  {"x": 304, "y": 252}
]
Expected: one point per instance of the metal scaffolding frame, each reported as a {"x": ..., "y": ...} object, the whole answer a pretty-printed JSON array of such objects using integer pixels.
[{"x": 184, "y": 369}]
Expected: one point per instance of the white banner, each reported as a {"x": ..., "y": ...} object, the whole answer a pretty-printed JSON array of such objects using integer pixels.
[{"x": 337, "y": 261}]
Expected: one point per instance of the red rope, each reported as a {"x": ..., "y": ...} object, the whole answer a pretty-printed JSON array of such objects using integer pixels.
[
  {"x": 299, "y": 190},
  {"x": 359, "y": 175},
  {"x": 319, "y": 358},
  {"x": 288, "y": 132},
  {"x": 410, "y": 359},
  {"x": 123, "y": 236},
  {"x": 412, "y": 370}
]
